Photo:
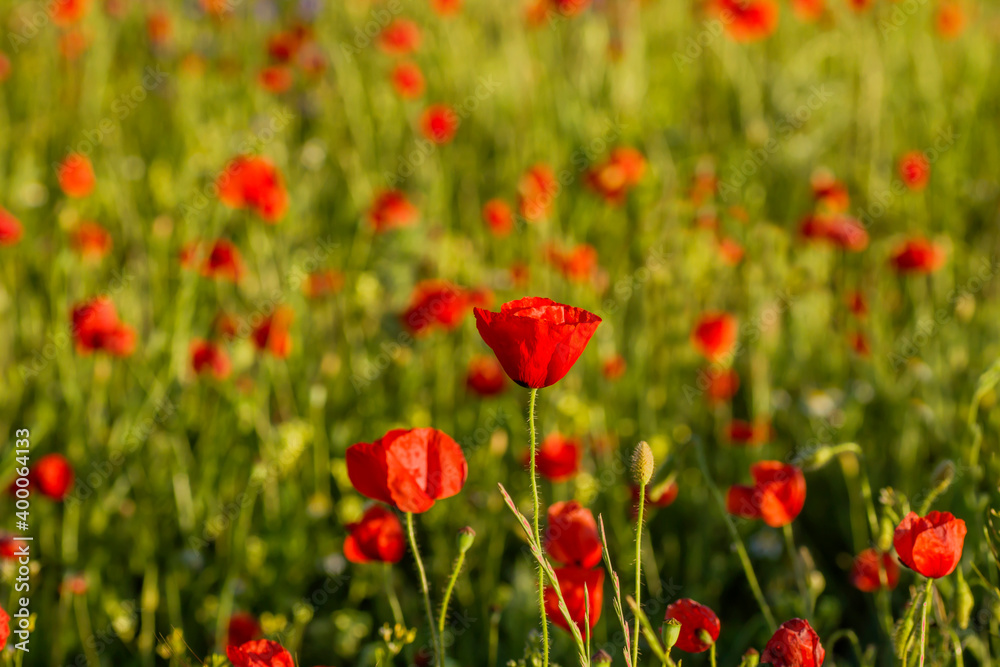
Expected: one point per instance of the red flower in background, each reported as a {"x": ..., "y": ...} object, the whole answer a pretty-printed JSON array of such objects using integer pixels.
[
  {"x": 485, "y": 376},
  {"x": 578, "y": 265},
  {"x": 949, "y": 19},
  {"x": 438, "y": 303},
  {"x": 571, "y": 537},
  {"x": 284, "y": 46},
  {"x": 255, "y": 183},
  {"x": 931, "y": 545},
  {"x": 614, "y": 367},
  {"x": 808, "y": 10},
  {"x": 408, "y": 469},
  {"x": 536, "y": 191},
  {"x": 276, "y": 78},
  {"x": 694, "y": 618},
  {"x": 53, "y": 476},
  {"x": 917, "y": 255},
  {"x": 91, "y": 240},
  {"x": 722, "y": 385},
  {"x": 748, "y": 20},
  {"x": 322, "y": 283},
  {"x": 96, "y": 327},
  {"x": 208, "y": 357},
  {"x": 4, "y": 628},
  {"x": 621, "y": 172},
  {"x": 714, "y": 335},
  {"x": 794, "y": 644},
  {"x": 857, "y": 303},
  {"x": 76, "y": 176},
  {"x": 439, "y": 123},
  {"x": 859, "y": 343},
  {"x": 10, "y": 228},
  {"x": 865, "y": 571},
  {"x": 274, "y": 333},
  {"x": 4, "y": 67},
  {"x": 572, "y": 581},
  {"x": 408, "y": 80},
  {"x": 831, "y": 195},
  {"x": 840, "y": 230},
  {"x": 915, "y": 170},
  {"x": 662, "y": 495},
  {"x": 377, "y": 537},
  {"x": 860, "y": 5},
  {"x": 777, "y": 496},
  {"x": 499, "y": 216},
  {"x": 259, "y": 653},
  {"x": 223, "y": 261},
  {"x": 535, "y": 339},
  {"x": 159, "y": 28},
  {"x": 400, "y": 37},
  {"x": 558, "y": 458},
  {"x": 446, "y": 7},
  {"x": 243, "y": 628},
  {"x": 73, "y": 43},
  {"x": 730, "y": 251},
  {"x": 753, "y": 434},
  {"x": 390, "y": 210},
  {"x": 68, "y": 12}
]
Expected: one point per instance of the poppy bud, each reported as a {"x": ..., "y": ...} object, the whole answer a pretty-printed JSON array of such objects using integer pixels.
[
  {"x": 944, "y": 475},
  {"x": 669, "y": 632},
  {"x": 751, "y": 658},
  {"x": 901, "y": 635},
  {"x": 705, "y": 637},
  {"x": 819, "y": 458},
  {"x": 466, "y": 536},
  {"x": 602, "y": 659},
  {"x": 963, "y": 601},
  {"x": 642, "y": 464}
]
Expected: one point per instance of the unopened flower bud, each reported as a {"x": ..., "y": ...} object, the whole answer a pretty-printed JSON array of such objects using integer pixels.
[
  {"x": 751, "y": 658},
  {"x": 466, "y": 536},
  {"x": 602, "y": 659},
  {"x": 669, "y": 632},
  {"x": 642, "y": 464},
  {"x": 704, "y": 637}
]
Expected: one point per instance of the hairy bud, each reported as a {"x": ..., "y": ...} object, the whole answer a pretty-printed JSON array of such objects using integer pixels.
[{"x": 642, "y": 464}]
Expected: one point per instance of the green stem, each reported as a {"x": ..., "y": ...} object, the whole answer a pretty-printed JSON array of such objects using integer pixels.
[
  {"x": 638, "y": 568},
  {"x": 928, "y": 594},
  {"x": 447, "y": 593},
  {"x": 711, "y": 655},
  {"x": 438, "y": 657},
  {"x": 800, "y": 580},
  {"x": 390, "y": 592},
  {"x": 741, "y": 550},
  {"x": 538, "y": 532}
]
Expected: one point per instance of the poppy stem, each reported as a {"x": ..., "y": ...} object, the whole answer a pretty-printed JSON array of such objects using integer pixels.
[
  {"x": 800, "y": 579},
  {"x": 447, "y": 594},
  {"x": 538, "y": 533},
  {"x": 711, "y": 655},
  {"x": 928, "y": 596},
  {"x": 390, "y": 592},
  {"x": 438, "y": 656},
  {"x": 638, "y": 567}
]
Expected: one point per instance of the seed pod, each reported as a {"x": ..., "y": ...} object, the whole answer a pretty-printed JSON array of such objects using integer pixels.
[
  {"x": 602, "y": 659},
  {"x": 642, "y": 464},
  {"x": 669, "y": 632},
  {"x": 466, "y": 536},
  {"x": 751, "y": 658}
]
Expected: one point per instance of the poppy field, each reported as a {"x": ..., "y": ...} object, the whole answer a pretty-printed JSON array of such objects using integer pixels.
[{"x": 455, "y": 332}]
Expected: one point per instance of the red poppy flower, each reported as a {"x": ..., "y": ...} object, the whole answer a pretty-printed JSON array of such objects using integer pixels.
[
  {"x": 243, "y": 628},
  {"x": 96, "y": 327},
  {"x": 322, "y": 283},
  {"x": 614, "y": 178},
  {"x": 917, "y": 255},
  {"x": 730, "y": 251},
  {"x": 223, "y": 261},
  {"x": 931, "y": 545},
  {"x": 400, "y": 37},
  {"x": 73, "y": 43},
  {"x": 408, "y": 469},
  {"x": 259, "y": 653},
  {"x": 777, "y": 496},
  {"x": 520, "y": 274},
  {"x": 558, "y": 458},
  {"x": 4, "y": 628},
  {"x": 391, "y": 209},
  {"x": 76, "y": 176},
  {"x": 537, "y": 190},
  {"x": 68, "y": 12},
  {"x": 207, "y": 357},
  {"x": 714, "y": 335},
  {"x": 226, "y": 325},
  {"x": 53, "y": 476},
  {"x": 857, "y": 303},
  {"x": 10, "y": 228},
  {"x": 860, "y": 5},
  {"x": 847, "y": 233},
  {"x": 74, "y": 585},
  {"x": 613, "y": 367},
  {"x": 438, "y": 303},
  {"x": 535, "y": 339},
  {"x": 446, "y": 7},
  {"x": 572, "y": 581},
  {"x": 276, "y": 78},
  {"x": 485, "y": 376},
  {"x": 578, "y": 265},
  {"x": 285, "y": 45},
  {"x": 499, "y": 216},
  {"x": 794, "y": 644},
  {"x": 91, "y": 240},
  {"x": 8, "y": 547},
  {"x": 377, "y": 537},
  {"x": 439, "y": 123},
  {"x": 722, "y": 385},
  {"x": 808, "y": 10},
  {"x": 255, "y": 183},
  {"x": 915, "y": 170},
  {"x": 949, "y": 20},
  {"x": 408, "y": 80},
  {"x": 831, "y": 195},
  {"x": 4, "y": 67},
  {"x": 694, "y": 618},
  {"x": 742, "y": 432},
  {"x": 159, "y": 28},
  {"x": 865, "y": 571},
  {"x": 748, "y": 20},
  {"x": 274, "y": 333},
  {"x": 662, "y": 495},
  {"x": 571, "y": 537},
  {"x": 859, "y": 343}
]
